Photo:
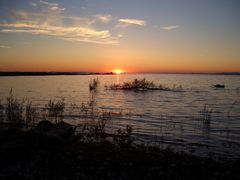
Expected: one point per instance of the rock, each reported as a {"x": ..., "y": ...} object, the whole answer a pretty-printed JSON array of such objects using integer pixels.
[
  {"x": 47, "y": 134},
  {"x": 63, "y": 130},
  {"x": 44, "y": 126},
  {"x": 219, "y": 86}
]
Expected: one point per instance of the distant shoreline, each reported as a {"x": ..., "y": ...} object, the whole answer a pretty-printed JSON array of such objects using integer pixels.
[
  {"x": 50, "y": 73},
  {"x": 107, "y": 73}
]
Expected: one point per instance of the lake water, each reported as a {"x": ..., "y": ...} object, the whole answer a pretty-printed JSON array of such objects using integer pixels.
[{"x": 170, "y": 118}]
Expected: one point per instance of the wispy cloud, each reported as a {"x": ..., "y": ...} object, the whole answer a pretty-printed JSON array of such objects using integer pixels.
[
  {"x": 57, "y": 31},
  {"x": 5, "y": 47},
  {"x": 47, "y": 6},
  {"x": 105, "y": 18},
  {"x": 51, "y": 6},
  {"x": 120, "y": 35},
  {"x": 169, "y": 28},
  {"x": 81, "y": 34},
  {"x": 49, "y": 23},
  {"x": 110, "y": 41},
  {"x": 138, "y": 22},
  {"x": 33, "y": 4}
]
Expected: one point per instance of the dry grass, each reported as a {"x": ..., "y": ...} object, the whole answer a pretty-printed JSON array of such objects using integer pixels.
[
  {"x": 30, "y": 114},
  {"x": 14, "y": 110},
  {"x": 55, "y": 110}
]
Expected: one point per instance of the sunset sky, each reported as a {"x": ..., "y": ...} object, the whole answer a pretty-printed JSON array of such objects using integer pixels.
[{"x": 132, "y": 35}]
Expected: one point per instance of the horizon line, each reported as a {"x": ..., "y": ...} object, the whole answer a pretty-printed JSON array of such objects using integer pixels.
[{"x": 16, "y": 73}]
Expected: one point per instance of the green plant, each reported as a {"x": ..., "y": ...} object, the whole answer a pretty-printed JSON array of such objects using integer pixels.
[{"x": 55, "y": 110}]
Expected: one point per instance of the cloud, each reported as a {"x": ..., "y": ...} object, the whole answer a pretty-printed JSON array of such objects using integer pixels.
[
  {"x": 169, "y": 28},
  {"x": 5, "y": 47},
  {"x": 120, "y": 35},
  {"x": 57, "y": 25},
  {"x": 105, "y": 18},
  {"x": 47, "y": 5},
  {"x": 111, "y": 41},
  {"x": 77, "y": 33},
  {"x": 33, "y": 4},
  {"x": 138, "y": 22},
  {"x": 19, "y": 15}
]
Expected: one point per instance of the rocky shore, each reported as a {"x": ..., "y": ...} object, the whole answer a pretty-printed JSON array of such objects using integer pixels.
[{"x": 55, "y": 151}]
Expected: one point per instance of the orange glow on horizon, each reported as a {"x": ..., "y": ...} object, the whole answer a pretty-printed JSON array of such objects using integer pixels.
[{"x": 118, "y": 71}]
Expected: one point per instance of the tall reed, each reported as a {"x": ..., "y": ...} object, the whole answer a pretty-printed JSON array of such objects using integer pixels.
[
  {"x": 30, "y": 113},
  {"x": 93, "y": 85},
  {"x": 14, "y": 110}
]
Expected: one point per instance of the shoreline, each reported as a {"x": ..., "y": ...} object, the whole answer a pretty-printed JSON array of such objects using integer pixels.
[
  {"x": 55, "y": 152},
  {"x": 51, "y": 73}
]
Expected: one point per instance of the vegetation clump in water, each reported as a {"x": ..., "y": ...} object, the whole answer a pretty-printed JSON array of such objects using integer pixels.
[
  {"x": 93, "y": 85},
  {"x": 142, "y": 85}
]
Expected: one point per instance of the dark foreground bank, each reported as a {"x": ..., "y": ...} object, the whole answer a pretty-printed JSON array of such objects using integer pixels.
[{"x": 56, "y": 152}]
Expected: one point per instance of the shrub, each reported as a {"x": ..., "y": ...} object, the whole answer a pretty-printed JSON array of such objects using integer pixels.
[
  {"x": 95, "y": 120},
  {"x": 123, "y": 136},
  {"x": 141, "y": 84},
  {"x": 55, "y": 110},
  {"x": 103, "y": 118}
]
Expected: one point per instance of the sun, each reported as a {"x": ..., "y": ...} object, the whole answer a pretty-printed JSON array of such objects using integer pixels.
[{"x": 118, "y": 71}]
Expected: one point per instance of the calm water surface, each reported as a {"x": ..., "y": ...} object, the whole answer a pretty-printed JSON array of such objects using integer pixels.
[{"x": 171, "y": 118}]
